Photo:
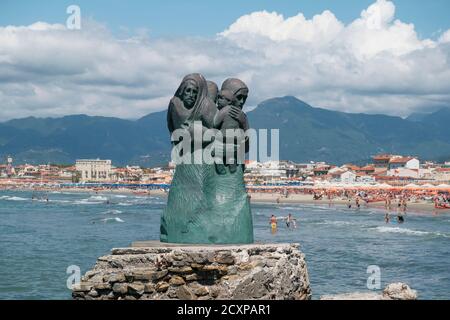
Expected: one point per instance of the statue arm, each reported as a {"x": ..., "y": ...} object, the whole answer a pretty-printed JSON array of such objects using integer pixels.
[
  {"x": 219, "y": 117},
  {"x": 245, "y": 126}
]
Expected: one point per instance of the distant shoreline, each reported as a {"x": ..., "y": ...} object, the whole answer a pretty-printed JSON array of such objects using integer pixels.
[{"x": 259, "y": 198}]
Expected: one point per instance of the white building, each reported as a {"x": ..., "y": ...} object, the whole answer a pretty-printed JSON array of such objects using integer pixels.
[
  {"x": 366, "y": 179},
  {"x": 404, "y": 162},
  {"x": 348, "y": 177},
  {"x": 441, "y": 174},
  {"x": 94, "y": 170}
]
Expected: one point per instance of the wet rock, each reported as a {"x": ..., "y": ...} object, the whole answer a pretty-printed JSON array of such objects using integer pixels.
[{"x": 394, "y": 291}]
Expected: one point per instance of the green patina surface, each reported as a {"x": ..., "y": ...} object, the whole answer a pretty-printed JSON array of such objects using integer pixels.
[{"x": 205, "y": 207}]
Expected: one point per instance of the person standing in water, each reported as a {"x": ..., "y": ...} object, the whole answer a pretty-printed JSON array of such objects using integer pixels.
[
  {"x": 387, "y": 218},
  {"x": 290, "y": 222},
  {"x": 273, "y": 224}
]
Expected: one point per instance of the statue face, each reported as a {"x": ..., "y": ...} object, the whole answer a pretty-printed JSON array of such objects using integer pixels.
[
  {"x": 223, "y": 101},
  {"x": 241, "y": 97},
  {"x": 190, "y": 95}
]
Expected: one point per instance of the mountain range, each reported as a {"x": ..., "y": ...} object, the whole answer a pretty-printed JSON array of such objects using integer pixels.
[{"x": 306, "y": 134}]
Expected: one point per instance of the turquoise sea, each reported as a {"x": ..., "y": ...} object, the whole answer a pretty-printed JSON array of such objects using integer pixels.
[{"x": 39, "y": 240}]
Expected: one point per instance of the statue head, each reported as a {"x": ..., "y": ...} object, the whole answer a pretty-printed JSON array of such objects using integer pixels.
[
  {"x": 212, "y": 90},
  {"x": 190, "y": 94},
  {"x": 225, "y": 98},
  {"x": 192, "y": 90},
  {"x": 239, "y": 90}
]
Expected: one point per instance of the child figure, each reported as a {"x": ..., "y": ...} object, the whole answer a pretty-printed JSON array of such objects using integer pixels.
[{"x": 224, "y": 121}]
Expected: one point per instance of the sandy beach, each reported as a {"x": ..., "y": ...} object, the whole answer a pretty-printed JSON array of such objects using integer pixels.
[
  {"x": 308, "y": 199},
  {"x": 255, "y": 197}
]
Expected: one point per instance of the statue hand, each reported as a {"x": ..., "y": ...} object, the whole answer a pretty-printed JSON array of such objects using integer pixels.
[{"x": 235, "y": 113}]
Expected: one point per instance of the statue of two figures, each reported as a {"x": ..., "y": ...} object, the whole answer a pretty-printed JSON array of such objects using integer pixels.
[{"x": 207, "y": 201}]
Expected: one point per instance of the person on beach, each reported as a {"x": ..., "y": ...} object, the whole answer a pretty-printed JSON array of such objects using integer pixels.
[
  {"x": 404, "y": 205},
  {"x": 387, "y": 202}
]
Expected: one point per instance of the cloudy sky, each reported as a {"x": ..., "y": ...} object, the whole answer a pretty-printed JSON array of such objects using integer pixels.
[{"x": 128, "y": 58}]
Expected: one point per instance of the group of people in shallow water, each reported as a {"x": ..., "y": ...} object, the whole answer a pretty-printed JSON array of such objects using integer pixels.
[{"x": 291, "y": 222}]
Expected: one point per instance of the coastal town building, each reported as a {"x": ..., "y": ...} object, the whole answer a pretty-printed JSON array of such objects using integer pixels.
[
  {"x": 441, "y": 174},
  {"x": 381, "y": 160},
  {"x": 348, "y": 177},
  {"x": 404, "y": 162},
  {"x": 94, "y": 170},
  {"x": 397, "y": 171}
]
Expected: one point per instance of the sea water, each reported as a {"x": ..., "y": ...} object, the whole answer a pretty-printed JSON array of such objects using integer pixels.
[{"x": 40, "y": 240}]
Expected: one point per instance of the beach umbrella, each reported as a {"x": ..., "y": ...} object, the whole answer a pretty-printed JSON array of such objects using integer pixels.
[{"x": 444, "y": 186}]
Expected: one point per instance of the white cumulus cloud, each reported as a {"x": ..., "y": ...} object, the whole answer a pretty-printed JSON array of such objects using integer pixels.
[{"x": 374, "y": 64}]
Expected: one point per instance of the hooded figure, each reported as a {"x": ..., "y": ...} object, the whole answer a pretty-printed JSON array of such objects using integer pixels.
[
  {"x": 187, "y": 206},
  {"x": 234, "y": 92},
  {"x": 191, "y": 103}
]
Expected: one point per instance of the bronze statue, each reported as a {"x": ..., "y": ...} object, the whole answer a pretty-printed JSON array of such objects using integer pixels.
[{"x": 204, "y": 206}]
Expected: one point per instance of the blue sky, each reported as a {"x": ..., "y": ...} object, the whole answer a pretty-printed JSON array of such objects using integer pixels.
[{"x": 208, "y": 17}]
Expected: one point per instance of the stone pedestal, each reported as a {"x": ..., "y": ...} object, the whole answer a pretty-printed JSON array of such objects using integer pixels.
[{"x": 154, "y": 270}]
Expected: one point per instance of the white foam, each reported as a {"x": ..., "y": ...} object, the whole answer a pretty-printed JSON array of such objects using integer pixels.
[
  {"x": 86, "y": 201},
  {"x": 124, "y": 204},
  {"x": 16, "y": 199},
  {"x": 289, "y": 208},
  {"x": 112, "y": 219},
  {"x": 410, "y": 232},
  {"x": 100, "y": 198},
  {"x": 112, "y": 212}
]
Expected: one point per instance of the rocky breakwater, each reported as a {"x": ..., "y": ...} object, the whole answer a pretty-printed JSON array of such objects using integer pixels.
[{"x": 153, "y": 270}]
